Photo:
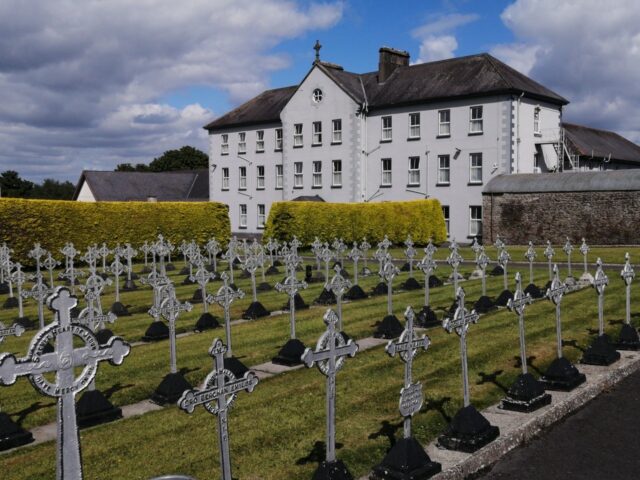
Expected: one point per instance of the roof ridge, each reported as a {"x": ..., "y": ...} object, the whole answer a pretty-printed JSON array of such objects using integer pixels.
[{"x": 491, "y": 59}]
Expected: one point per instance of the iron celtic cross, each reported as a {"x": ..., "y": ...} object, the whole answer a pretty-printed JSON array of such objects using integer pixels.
[
  {"x": 482, "y": 262},
  {"x": 503, "y": 261},
  {"x": 517, "y": 305},
  {"x": 568, "y": 248},
  {"x": 291, "y": 287},
  {"x": 355, "y": 254},
  {"x": 388, "y": 272},
  {"x": 339, "y": 286},
  {"x": 549, "y": 252},
  {"x": 627, "y": 275},
  {"x": 530, "y": 255},
  {"x": 225, "y": 297},
  {"x": 454, "y": 259},
  {"x": 584, "y": 250},
  {"x": 428, "y": 266},
  {"x": 555, "y": 293},
  {"x": 170, "y": 308},
  {"x": 600, "y": 281}
]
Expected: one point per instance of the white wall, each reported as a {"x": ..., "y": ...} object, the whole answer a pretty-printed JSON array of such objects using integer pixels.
[{"x": 85, "y": 194}]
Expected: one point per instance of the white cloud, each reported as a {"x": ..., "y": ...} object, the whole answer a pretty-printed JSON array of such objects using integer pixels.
[
  {"x": 588, "y": 51},
  {"x": 81, "y": 82},
  {"x": 437, "y": 48},
  {"x": 444, "y": 23},
  {"x": 436, "y": 39}
]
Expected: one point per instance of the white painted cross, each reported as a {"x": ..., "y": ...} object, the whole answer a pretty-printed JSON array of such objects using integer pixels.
[
  {"x": 39, "y": 292},
  {"x": 50, "y": 264},
  {"x": 482, "y": 261},
  {"x": 428, "y": 265},
  {"x": 202, "y": 277},
  {"x": 19, "y": 278},
  {"x": 454, "y": 259},
  {"x": 410, "y": 252},
  {"x": 355, "y": 254},
  {"x": 503, "y": 260}
]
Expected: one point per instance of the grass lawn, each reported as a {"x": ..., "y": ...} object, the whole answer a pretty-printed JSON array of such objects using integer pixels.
[{"x": 276, "y": 430}]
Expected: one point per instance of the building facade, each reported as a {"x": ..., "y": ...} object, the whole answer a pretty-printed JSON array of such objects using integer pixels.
[{"x": 441, "y": 130}]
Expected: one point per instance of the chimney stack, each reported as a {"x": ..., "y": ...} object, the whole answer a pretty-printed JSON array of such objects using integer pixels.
[{"x": 390, "y": 59}]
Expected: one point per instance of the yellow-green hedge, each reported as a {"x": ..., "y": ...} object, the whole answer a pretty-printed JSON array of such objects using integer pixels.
[
  {"x": 422, "y": 219},
  {"x": 52, "y": 223}
]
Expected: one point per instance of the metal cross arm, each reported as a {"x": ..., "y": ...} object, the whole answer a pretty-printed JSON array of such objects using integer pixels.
[
  {"x": 331, "y": 347},
  {"x": 392, "y": 347},
  {"x": 192, "y": 398},
  {"x": 310, "y": 357},
  {"x": 520, "y": 299},
  {"x": 15, "y": 330}
]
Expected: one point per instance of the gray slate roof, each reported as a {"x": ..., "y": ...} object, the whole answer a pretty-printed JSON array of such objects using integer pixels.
[
  {"x": 589, "y": 142},
  {"x": 612, "y": 181},
  {"x": 462, "y": 77},
  {"x": 178, "y": 186}
]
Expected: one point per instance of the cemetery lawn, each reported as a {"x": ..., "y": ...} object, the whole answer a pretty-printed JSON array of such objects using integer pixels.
[{"x": 277, "y": 431}]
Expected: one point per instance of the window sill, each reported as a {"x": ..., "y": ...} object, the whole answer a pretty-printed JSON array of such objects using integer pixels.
[
  {"x": 224, "y": 189},
  {"x": 537, "y": 134},
  {"x": 242, "y": 189},
  {"x": 260, "y": 227},
  {"x": 298, "y": 188},
  {"x": 474, "y": 134},
  {"x": 444, "y": 136},
  {"x": 316, "y": 144},
  {"x": 260, "y": 188},
  {"x": 277, "y": 149},
  {"x": 475, "y": 184},
  {"x": 443, "y": 184},
  {"x": 386, "y": 141},
  {"x": 336, "y": 143},
  {"x": 279, "y": 188},
  {"x": 413, "y": 139},
  {"x": 385, "y": 186},
  {"x": 336, "y": 186},
  {"x": 242, "y": 227},
  {"x": 316, "y": 188},
  {"x": 224, "y": 154},
  {"x": 298, "y": 146},
  {"x": 413, "y": 185},
  {"x": 259, "y": 151}
]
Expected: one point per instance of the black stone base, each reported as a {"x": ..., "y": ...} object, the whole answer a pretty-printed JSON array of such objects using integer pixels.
[
  {"x": 483, "y": 304},
  {"x": 245, "y": 274},
  {"x": 104, "y": 335},
  {"x": 525, "y": 395},
  {"x": 406, "y": 460},
  {"x": 435, "y": 282},
  {"x": 427, "y": 318},
  {"x": 503, "y": 298},
  {"x": 93, "y": 408},
  {"x": 145, "y": 270},
  {"x": 170, "y": 389},
  {"x": 600, "y": 352},
  {"x": 326, "y": 297},
  {"x": 290, "y": 354},
  {"x": 184, "y": 270},
  {"x": 405, "y": 267},
  {"x": 197, "y": 296},
  {"x": 277, "y": 263},
  {"x": 119, "y": 310},
  {"x": 298, "y": 303},
  {"x": 497, "y": 271},
  {"x": 263, "y": 287},
  {"x": 11, "y": 302},
  {"x": 129, "y": 286},
  {"x": 365, "y": 272},
  {"x": 211, "y": 267},
  {"x": 105, "y": 275},
  {"x": 156, "y": 331},
  {"x": 255, "y": 310},
  {"x": 335, "y": 470},
  {"x": 169, "y": 267},
  {"x": 390, "y": 327},
  {"x": 134, "y": 276},
  {"x": 206, "y": 322},
  {"x": 4, "y": 288},
  {"x": 11, "y": 434},
  {"x": 272, "y": 270},
  {"x": 74, "y": 312},
  {"x": 534, "y": 291},
  {"x": 628, "y": 338},
  {"x": 562, "y": 375},
  {"x": 235, "y": 366},
  {"x": 355, "y": 293},
  {"x": 26, "y": 323},
  {"x": 410, "y": 284},
  {"x": 187, "y": 280},
  {"x": 379, "y": 289},
  {"x": 468, "y": 431}
]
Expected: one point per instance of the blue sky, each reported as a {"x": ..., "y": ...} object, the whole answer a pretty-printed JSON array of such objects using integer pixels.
[{"x": 88, "y": 85}]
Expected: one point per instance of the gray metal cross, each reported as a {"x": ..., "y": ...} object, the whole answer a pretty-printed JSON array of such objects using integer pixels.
[
  {"x": 90, "y": 257},
  {"x": 117, "y": 268},
  {"x": 251, "y": 265},
  {"x": 295, "y": 244},
  {"x": 326, "y": 255},
  {"x": 482, "y": 262},
  {"x": 50, "y": 264},
  {"x": 517, "y": 305},
  {"x": 19, "y": 278},
  {"x": 63, "y": 361},
  {"x": 129, "y": 253},
  {"x": 499, "y": 243},
  {"x": 387, "y": 273},
  {"x": 365, "y": 247},
  {"x": 170, "y": 308},
  {"x": 219, "y": 392},
  {"x": 202, "y": 277},
  {"x": 555, "y": 293},
  {"x": 475, "y": 247},
  {"x": 104, "y": 252},
  {"x": 330, "y": 354},
  {"x": 503, "y": 261},
  {"x": 600, "y": 281},
  {"x": 530, "y": 255},
  {"x": 568, "y": 248},
  {"x": 410, "y": 253},
  {"x": 94, "y": 286},
  {"x": 70, "y": 273},
  {"x": 339, "y": 286},
  {"x": 454, "y": 259},
  {"x": 584, "y": 250},
  {"x": 430, "y": 249},
  {"x": 355, "y": 254},
  {"x": 460, "y": 322},
  {"x": 213, "y": 248},
  {"x": 407, "y": 347},
  {"x": 339, "y": 247},
  {"x": 225, "y": 297},
  {"x": 36, "y": 253},
  {"x": 549, "y": 252},
  {"x": 316, "y": 248},
  {"x": 15, "y": 330},
  {"x": 291, "y": 287},
  {"x": 272, "y": 245},
  {"x": 428, "y": 265},
  {"x": 627, "y": 275},
  {"x": 39, "y": 292}
]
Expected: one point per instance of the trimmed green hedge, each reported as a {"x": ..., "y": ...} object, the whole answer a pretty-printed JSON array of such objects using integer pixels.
[
  {"x": 422, "y": 219},
  {"x": 52, "y": 223}
]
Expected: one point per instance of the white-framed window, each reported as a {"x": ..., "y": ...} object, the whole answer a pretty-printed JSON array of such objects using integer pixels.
[
  {"x": 317, "y": 133},
  {"x": 386, "y": 129},
  {"x": 317, "y": 95},
  {"x": 336, "y": 172},
  {"x": 536, "y": 120},
  {"x": 444, "y": 123},
  {"x": 242, "y": 175},
  {"x": 536, "y": 163},
  {"x": 260, "y": 177},
  {"x": 386, "y": 171},
  {"x": 475, "y": 119},
  {"x": 259, "y": 140},
  {"x": 475, "y": 221},
  {"x": 225, "y": 178},
  {"x": 278, "y": 139},
  {"x": 243, "y": 215},
  {"x": 242, "y": 142},
  {"x": 279, "y": 177},
  {"x": 317, "y": 174},
  {"x": 224, "y": 144},
  {"x": 445, "y": 214},
  {"x": 444, "y": 170},
  {"x": 261, "y": 215},
  {"x": 336, "y": 132},
  {"x": 297, "y": 135},
  {"x": 414, "y": 171},
  {"x": 475, "y": 168},
  {"x": 297, "y": 174},
  {"x": 414, "y": 125}
]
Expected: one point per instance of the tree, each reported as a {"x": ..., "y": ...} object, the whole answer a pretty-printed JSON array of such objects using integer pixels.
[
  {"x": 187, "y": 158},
  {"x": 11, "y": 185},
  {"x": 53, "y": 190},
  {"x": 127, "y": 167}
]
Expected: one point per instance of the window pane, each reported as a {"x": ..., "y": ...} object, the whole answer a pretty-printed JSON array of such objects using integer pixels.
[{"x": 337, "y": 131}]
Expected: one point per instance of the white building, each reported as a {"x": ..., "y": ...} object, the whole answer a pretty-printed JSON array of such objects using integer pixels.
[{"x": 441, "y": 129}]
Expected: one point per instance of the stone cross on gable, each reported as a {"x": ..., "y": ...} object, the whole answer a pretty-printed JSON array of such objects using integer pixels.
[
  {"x": 169, "y": 309},
  {"x": 410, "y": 253},
  {"x": 584, "y": 250},
  {"x": 355, "y": 254},
  {"x": 50, "y": 264},
  {"x": 388, "y": 272},
  {"x": 568, "y": 248},
  {"x": 454, "y": 259},
  {"x": 460, "y": 322},
  {"x": 64, "y": 362},
  {"x": 220, "y": 390},
  {"x": 339, "y": 286},
  {"x": 330, "y": 354},
  {"x": 407, "y": 347},
  {"x": 428, "y": 265},
  {"x": 517, "y": 305},
  {"x": 555, "y": 293},
  {"x": 39, "y": 292},
  {"x": 202, "y": 277},
  {"x": 482, "y": 262},
  {"x": 549, "y": 252},
  {"x": 530, "y": 255},
  {"x": 503, "y": 261},
  {"x": 291, "y": 287},
  {"x": 600, "y": 281},
  {"x": 225, "y": 297},
  {"x": 627, "y": 275}
]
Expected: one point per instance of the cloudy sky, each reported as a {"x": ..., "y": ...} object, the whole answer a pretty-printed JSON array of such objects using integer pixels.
[{"x": 93, "y": 83}]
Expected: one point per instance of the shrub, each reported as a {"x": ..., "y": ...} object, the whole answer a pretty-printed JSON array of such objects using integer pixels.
[
  {"x": 422, "y": 219},
  {"x": 52, "y": 223}
]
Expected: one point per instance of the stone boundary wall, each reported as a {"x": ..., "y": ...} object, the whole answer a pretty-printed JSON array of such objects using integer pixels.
[{"x": 604, "y": 218}]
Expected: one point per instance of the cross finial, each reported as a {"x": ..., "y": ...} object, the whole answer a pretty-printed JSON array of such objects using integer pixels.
[{"x": 317, "y": 48}]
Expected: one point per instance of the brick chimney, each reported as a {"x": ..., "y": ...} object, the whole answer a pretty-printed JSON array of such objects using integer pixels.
[{"x": 390, "y": 59}]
